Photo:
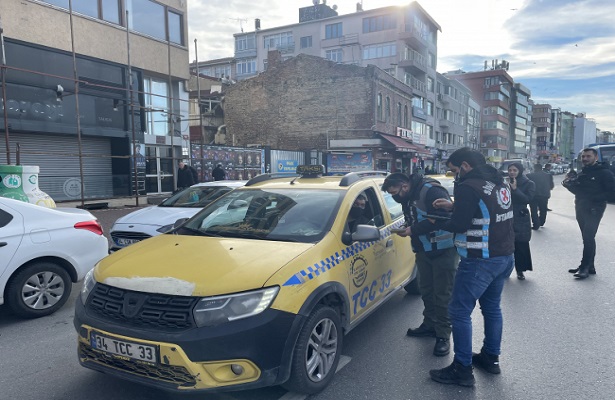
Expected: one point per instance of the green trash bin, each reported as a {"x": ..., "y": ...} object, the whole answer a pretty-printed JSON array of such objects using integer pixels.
[{"x": 20, "y": 182}]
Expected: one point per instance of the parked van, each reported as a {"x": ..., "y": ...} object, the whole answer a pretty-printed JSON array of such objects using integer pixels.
[{"x": 527, "y": 165}]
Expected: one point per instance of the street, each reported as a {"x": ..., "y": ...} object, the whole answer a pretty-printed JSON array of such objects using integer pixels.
[{"x": 558, "y": 341}]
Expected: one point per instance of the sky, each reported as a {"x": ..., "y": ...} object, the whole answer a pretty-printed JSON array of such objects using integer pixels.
[{"x": 562, "y": 50}]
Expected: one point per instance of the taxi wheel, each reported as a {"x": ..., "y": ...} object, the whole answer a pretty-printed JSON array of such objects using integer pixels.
[
  {"x": 317, "y": 352},
  {"x": 38, "y": 290}
]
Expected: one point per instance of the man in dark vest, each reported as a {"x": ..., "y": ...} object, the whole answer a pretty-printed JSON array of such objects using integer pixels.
[
  {"x": 186, "y": 176},
  {"x": 482, "y": 222},
  {"x": 436, "y": 258},
  {"x": 539, "y": 205}
]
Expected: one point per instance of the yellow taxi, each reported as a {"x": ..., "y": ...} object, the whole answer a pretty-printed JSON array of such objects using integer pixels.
[{"x": 257, "y": 289}]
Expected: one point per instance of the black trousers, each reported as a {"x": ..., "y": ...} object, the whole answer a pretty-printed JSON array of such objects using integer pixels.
[
  {"x": 588, "y": 218},
  {"x": 538, "y": 210}
]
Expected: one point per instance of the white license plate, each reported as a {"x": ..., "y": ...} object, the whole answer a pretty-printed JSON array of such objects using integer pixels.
[
  {"x": 136, "y": 351},
  {"x": 126, "y": 242}
]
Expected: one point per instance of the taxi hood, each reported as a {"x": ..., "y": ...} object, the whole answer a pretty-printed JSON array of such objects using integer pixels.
[{"x": 196, "y": 265}]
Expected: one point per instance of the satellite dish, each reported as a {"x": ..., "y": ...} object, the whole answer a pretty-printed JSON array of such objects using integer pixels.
[
  {"x": 315, "y": 2},
  {"x": 334, "y": 7}
]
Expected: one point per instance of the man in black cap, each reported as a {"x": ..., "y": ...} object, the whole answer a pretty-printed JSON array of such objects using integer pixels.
[
  {"x": 436, "y": 257},
  {"x": 218, "y": 173}
]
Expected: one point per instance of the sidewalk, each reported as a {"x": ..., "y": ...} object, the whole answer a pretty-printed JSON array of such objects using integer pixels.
[{"x": 119, "y": 202}]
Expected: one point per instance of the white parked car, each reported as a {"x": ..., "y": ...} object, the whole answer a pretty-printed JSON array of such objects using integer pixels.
[
  {"x": 155, "y": 220},
  {"x": 42, "y": 251}
]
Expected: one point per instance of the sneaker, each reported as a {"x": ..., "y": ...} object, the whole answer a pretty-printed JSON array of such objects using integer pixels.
[
  {"x": 487, "y": 362},
  {"x": 454, "y": 374},
  {"x": 422, "y": 331},
  {"x": 442, "y": 347}
]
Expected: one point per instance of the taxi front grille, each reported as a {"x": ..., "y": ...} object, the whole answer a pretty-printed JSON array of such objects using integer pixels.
[
  {"x": 142, "y": 310},
  {"x": 172, "y": 374},
  {"x": 129, "y": 235}
]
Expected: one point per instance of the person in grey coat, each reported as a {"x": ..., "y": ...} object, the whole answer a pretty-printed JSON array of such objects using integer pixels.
[
  {"x": 540, "y": 203},
  {"x": 523, "y": 191}
]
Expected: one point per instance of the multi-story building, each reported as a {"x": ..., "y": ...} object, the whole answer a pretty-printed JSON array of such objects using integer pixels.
[
  {"x": 541, "y": 119},
  {"x": 452, "y": 115},
  {"x": 567, "y": 137},
  {"x": 492, "y": 89},
  {"x": 584, "y": 132},
  {"x": 521, "y": 122},
  {"x": 360, "y": 115},
  {"x": 399, "y": 40},
  {"x": 48, "y": 96}
]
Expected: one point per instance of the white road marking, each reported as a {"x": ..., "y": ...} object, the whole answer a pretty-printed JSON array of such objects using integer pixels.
[{"x": 344, "y": 360}]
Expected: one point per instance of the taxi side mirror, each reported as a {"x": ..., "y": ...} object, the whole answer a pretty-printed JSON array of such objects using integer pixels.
[{"x": 364, "y": 233}]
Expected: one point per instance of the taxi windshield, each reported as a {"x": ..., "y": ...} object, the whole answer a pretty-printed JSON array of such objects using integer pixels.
[{"x": 288, "y": 215}]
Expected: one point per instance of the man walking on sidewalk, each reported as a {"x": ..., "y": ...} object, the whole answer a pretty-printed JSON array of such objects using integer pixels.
[{"x": 539, "y": 205}]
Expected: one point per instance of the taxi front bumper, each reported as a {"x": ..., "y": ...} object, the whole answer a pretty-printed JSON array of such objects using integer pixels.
[{"x": 200, "y": 359}]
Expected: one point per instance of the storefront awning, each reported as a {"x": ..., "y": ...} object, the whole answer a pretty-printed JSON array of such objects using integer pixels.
[{"x": 405, "y": 146}]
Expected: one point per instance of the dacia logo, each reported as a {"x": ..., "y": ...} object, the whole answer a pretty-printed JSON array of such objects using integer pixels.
[{"x": 132, "y": 304}]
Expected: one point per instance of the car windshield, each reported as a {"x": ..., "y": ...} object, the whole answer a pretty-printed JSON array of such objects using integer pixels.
[
  {"x": 272, "y": 214},
  {"x": 195, "y": 196}
]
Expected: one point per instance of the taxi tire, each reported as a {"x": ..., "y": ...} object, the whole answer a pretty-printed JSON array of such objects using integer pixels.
[
  {"x": 15, "y": 287},
  {"x": 299, "y": 380}
]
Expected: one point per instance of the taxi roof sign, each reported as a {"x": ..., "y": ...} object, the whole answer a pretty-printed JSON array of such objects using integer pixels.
[{"x": 310, "y": 171}]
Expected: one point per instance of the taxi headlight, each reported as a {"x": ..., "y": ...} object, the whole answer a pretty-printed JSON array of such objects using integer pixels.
[
  {"x": 88, "y": 284},
  {"x": 217, "y": 310}
]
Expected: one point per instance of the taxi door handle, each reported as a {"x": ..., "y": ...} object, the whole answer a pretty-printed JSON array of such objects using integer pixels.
[
  {"x": 389, "y": 243},
  {"x": 2, "y": 244}
]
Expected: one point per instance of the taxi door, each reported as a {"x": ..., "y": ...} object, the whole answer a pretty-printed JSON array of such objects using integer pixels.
[
  {"x": 402, "y": 263},
  {"x": 368, "y": 263}
]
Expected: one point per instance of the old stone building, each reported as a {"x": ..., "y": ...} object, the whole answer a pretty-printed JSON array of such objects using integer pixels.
[{"x": 307, "y": 103}]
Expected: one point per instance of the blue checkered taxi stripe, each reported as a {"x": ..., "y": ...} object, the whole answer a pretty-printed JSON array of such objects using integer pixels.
[{"x": 323, "y": 266}]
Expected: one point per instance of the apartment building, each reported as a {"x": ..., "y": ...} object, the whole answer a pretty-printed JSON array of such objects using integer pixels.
[
  {"x": 541, "y": 119},
  {"x": 401, "y": 40},
  {"x": 453, "y": 113},
  {"x": 48, "y": 96},
  {"x": 584, "y": 132},
  {"x": 506, "y": 111}
]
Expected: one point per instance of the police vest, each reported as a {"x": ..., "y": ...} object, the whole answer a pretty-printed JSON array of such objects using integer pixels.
[
  {"x": 491, "y": 233},
  {"x": 437, "y": 240}
]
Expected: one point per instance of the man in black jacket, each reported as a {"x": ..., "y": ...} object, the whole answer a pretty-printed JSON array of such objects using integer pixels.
[
  {"x": 436, "y": 258},
  {"x": 591, "y": 188},
  {"x": 186, "y": 176},
  {"x": 540, "y": 203}
]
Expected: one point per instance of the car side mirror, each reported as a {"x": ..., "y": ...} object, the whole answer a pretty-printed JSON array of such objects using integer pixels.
[
  {"x": 179, "y": 222},
  {"x": 366, "y": 233}
]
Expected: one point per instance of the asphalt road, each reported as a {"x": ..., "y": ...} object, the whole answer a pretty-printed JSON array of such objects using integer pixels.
[{"x": 558, "y": 338}]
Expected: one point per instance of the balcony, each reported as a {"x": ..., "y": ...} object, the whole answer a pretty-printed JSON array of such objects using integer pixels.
[
  {"x": 349, "y": 40},
  {"x": 414, "y": 37},
  {"x": 418, "y": 86},
  {"x": 413, "y": 61}
]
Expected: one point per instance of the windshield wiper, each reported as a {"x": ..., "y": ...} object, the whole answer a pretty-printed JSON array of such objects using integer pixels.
[{"x": 198, "y": 232}]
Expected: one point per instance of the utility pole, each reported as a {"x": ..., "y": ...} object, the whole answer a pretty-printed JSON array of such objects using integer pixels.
[{"x": 6, "y": 117}]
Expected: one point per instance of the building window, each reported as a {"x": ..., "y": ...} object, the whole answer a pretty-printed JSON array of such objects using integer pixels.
[
  {"x": 387, "y": 109},
  {"x": 379, "y": 50},
  {"x": 405, "y": 116},
  {"x": 305, "y": 42},
  {"x": 431, "y": 60},
  {"x": 379, "y": 106},
  {"x": 108, "y": 10},
  {"x": 156, "y": 100},
  {"x": 333, "y": 31},
  {"x": 398, "y": 114},
  {"x": 245, "y": 67},
  {"x": 282, "y": 40},
  {"x": 430, "y": 86},
  {"x": 247, "y": 42},
  {"x": 86, "y": 7},
  {"x": 334, "y": 55},
  {"x": 111, "y": 11},
  {"x": 429, "y": 108},
  {"x": 175, "y": 28},
  {"x": 146, "y": 17},
  {"x": 379, "y": 23}
]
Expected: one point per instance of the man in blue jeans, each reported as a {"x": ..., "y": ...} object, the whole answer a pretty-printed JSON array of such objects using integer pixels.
[{"x": 482, "y": 222}]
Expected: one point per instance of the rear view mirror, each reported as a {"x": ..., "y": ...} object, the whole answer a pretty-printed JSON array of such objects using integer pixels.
[{"x": 237, "y": 204}]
